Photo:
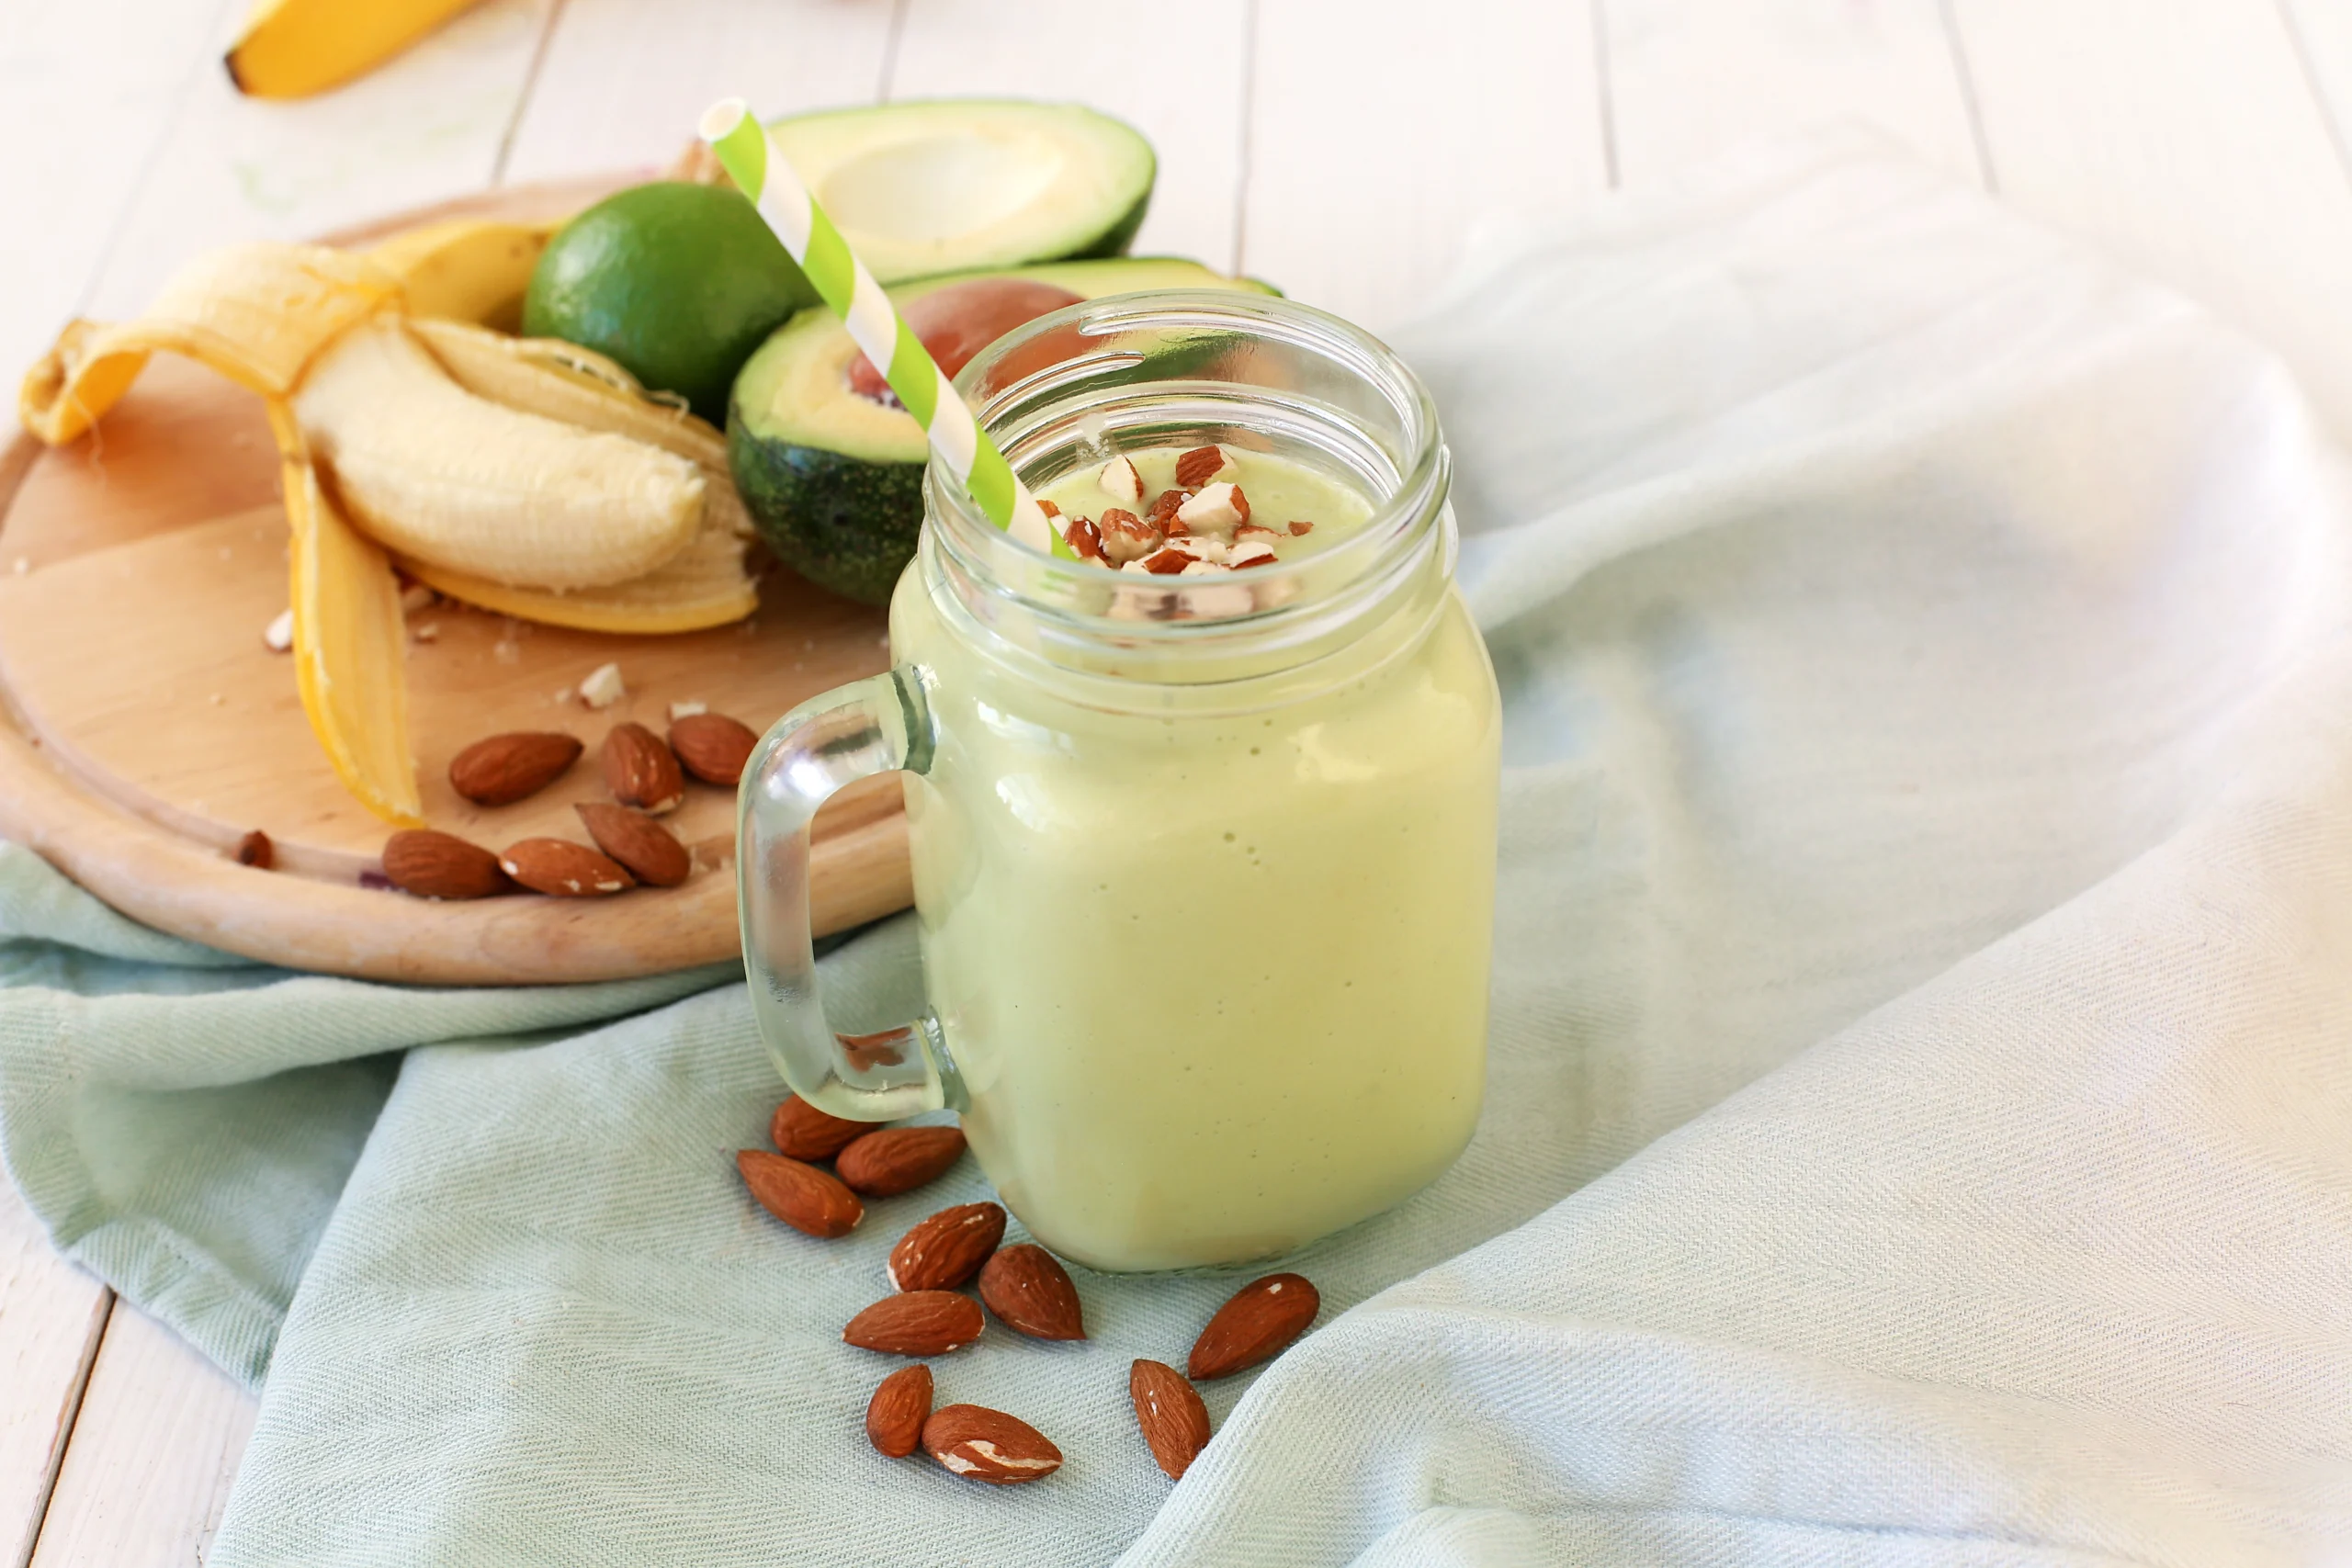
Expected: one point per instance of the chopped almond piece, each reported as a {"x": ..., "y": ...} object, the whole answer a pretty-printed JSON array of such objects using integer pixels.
[
  {"x": 1301, "y": 528},
  {"x": 1086, "y": 540},
  {"x": 1168, "y": 563},
  {"x": 1219, "y": 509},
  {"x": 1166, "y": 505},
  {"x": 1201, "y": 464},
  {"x": 1250, "y": 553},
  {"x": 1127, "y": 536},
  {"x": 1048, "y": 508},
  {"x": 1121, "y": 482}
]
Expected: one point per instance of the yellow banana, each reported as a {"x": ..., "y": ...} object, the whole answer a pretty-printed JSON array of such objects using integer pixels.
[
  {"x": 562, "y": 380},
  {"x": 291, "y": 49},
  {"x": 461, "y": 482},
  {"x": 466, "y": 269}
]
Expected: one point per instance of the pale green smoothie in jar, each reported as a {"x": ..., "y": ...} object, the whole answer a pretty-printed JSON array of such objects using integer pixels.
[{"x": 1202, "y": 822}]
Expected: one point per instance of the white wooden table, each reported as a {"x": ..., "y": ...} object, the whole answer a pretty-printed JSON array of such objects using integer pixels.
[{"x": 1333, "y": 146}]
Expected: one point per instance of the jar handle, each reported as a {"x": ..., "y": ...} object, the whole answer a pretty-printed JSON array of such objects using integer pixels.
[{"x": 850, "y": 733}]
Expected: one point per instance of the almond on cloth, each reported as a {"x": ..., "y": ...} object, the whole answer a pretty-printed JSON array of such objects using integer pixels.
[
  {"x": 641, "y": 770},
  {"x": 713, "y": 747},
  {"x": 1175, "y": 1423},
  {"x": 506, "y": 767},
  {"x": 946, "y": 1250},
  {"x": 898, "y": 1159},
  {"x": 988, "y": 1445},
  {"x": 563, "y": 870},
  {"x": 810, "y": 1201},
  {"x": 433, "y": 864},
  {"x": 1031, "y": 1293},
  {"x": 651, "y": 851},
  {"x": 1263, "y": 1316},
  {"x": 917, "y": 1323},
  {"x": 802, "y": 1131},
  {"x": 894, "y": 1417}
]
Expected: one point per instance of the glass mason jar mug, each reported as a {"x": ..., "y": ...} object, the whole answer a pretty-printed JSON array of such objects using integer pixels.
[{"x": 1204, "y": 866}]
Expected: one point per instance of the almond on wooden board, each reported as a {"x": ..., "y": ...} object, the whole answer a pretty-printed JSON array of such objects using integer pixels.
[
  {"x": 506, "y": 767},
  {"x": 1031, "y": 1293},
  {"x": 810, "y": 1201},
  {"x": 988, "y": 1445},
  {"x": 1263, "y": 1316},
  {"x": 713, "y": 747},
  {"x": 562, "y": 869},
  {"x": 802, "y": 1131},
  {"x": 641, "y": 770},
  {"x": 898, "y": 1159},
  {"x": 917, "y": 1323},
  {"x": 894, "y": 1417},
  {"x": 433, "y": 864},
  {"x": 1175, "y": 1422},
  {"x": 651, "y": 851},
  {"x": 946, "y": 1250}
]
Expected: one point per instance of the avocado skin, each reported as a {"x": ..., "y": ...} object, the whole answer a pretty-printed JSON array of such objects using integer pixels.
[
  {"x": 1114, "y": 241},
  {"x": 842, "y": 523}
]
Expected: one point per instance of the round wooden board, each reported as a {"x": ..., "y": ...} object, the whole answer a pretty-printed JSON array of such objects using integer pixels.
[{"x": 148, "y": 729}]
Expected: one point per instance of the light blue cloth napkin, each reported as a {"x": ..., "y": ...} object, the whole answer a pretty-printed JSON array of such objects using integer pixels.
[{"x": 1925, "y": 692}]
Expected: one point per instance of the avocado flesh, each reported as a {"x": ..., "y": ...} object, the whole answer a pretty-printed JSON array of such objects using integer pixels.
[
  {"x": 967, "y": 184},
  {"x": 834, "y": 480}
]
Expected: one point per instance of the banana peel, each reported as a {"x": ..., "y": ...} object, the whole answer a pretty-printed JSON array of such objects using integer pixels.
[{"x": 262, "y": 315}]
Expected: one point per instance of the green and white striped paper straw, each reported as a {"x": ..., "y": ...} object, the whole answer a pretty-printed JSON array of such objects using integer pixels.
[{"x": 763, "y": 172}]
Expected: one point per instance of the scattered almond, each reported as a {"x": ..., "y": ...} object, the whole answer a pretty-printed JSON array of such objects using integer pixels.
[
  {"x": 603, "y": 686},
  {"x": 802, "y": 1131},
  {"x": 433, "y": 864},
  {"x": 1121, "y": 482},
  {"x": 883, "y": 1048},
  {"x": 917, "y": 1323},
  {"x": 562, "y": 869},
  {"x": 809, "y": 1200},
  {"x": 946, "y": 1250},
  {"x": 1201, "y": 464},
  {"x": 256, "y": 850},
  {"x": 279, "y": 636},
  {"x": 686, "y": 710},
  {"x": 1175, "y": 1422},
  {"x": 713, "y": 747},
  {"x": 641, "y": 771},
  {"x": 988, "y": 1445},
  {"x": 1031, "y": 1293},
  {"x": 651, "y": 851},
  {"x": 898, "y": 1159},
  {"x": 1263, "y": 1316},
  {"x": 894, "y": 1417},
  {"x": 505, "y": 769}
]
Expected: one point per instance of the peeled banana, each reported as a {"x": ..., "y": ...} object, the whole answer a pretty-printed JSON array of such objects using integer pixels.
[{"x": 291, "y": 49}]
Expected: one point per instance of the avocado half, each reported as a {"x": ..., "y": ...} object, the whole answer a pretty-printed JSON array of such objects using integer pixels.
[
  {"x": 958, "y": 184},
  {"x": 833, "y": 480}
]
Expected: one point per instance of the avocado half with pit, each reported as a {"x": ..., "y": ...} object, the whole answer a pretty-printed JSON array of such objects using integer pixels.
[
  {"x": 834, "y": 478},
  {"x": 962, "y": 183}
]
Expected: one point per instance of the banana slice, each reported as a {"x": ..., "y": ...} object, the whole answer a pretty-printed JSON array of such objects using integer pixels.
[{"x": 464, "y": 483}]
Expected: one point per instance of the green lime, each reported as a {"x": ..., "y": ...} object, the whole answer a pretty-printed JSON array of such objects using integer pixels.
[{"x": 678, "y": 282}]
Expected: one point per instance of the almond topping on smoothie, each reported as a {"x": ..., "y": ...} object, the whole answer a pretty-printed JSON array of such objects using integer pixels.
[
  {"x": 1086, "y": 540},
  {"x": 1127, "y": 536},
  {"x": 1201, "y": 464},
  {"x": 1249, "y": 553},
  {"x": 1166, "y": 563},
  {"x": 1164, "y": 508},
  {"x": 1219, "y": 509},
  {"x": 1121, "y": 482},
  {"x": 1298, "y": 528}
]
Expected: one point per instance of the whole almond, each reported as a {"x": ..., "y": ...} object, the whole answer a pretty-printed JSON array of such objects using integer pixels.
[
  {"x": 505, "y": 768},
  {"x": 563, "y": 869},
  {"x": 988, "y": 1445},
  {"x": 802, "y": 1131},
  {"x": 433, "y": 864},
  {"x": 713, "y": 747},
  {"x": 894, "y": 1417},
  {"x": 803, "y": 1197},
  {"x": 919, "y": 1323},
  {"x": 946, "y": 1250},
  {"x": 1263, "y": 1316},
  {"x": 1029, "y": 1293},
  {"x": 898, "y": 1159},
  {"x": 649, "y": 851},
  {"x": 641, "y": 771},
  {"x": 1174, "y": 1421}
]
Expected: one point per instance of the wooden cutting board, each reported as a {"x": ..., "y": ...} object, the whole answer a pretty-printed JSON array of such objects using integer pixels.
[{"x": 148, "y": 728}]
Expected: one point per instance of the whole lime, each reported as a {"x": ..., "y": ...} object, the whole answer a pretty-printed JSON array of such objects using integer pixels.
[{"x": 678, "y": 282}]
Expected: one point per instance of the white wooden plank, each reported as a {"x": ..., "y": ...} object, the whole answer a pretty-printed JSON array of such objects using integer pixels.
[
  {"x": 51, "y": 1315},
  {"x": 2322, "y": 32},
  {"x": 1689, "y": 78},
  {"x": 1173, "y": 69},
  {"x": 623, "y": 82},
  {"x": 426, "y": 126},
  {"x": 2186, "y": 140},
  {"x": 1372, "y": 142},
  {"x": 86, "y": 92},
  {"x": 157, "y": 1445}
]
